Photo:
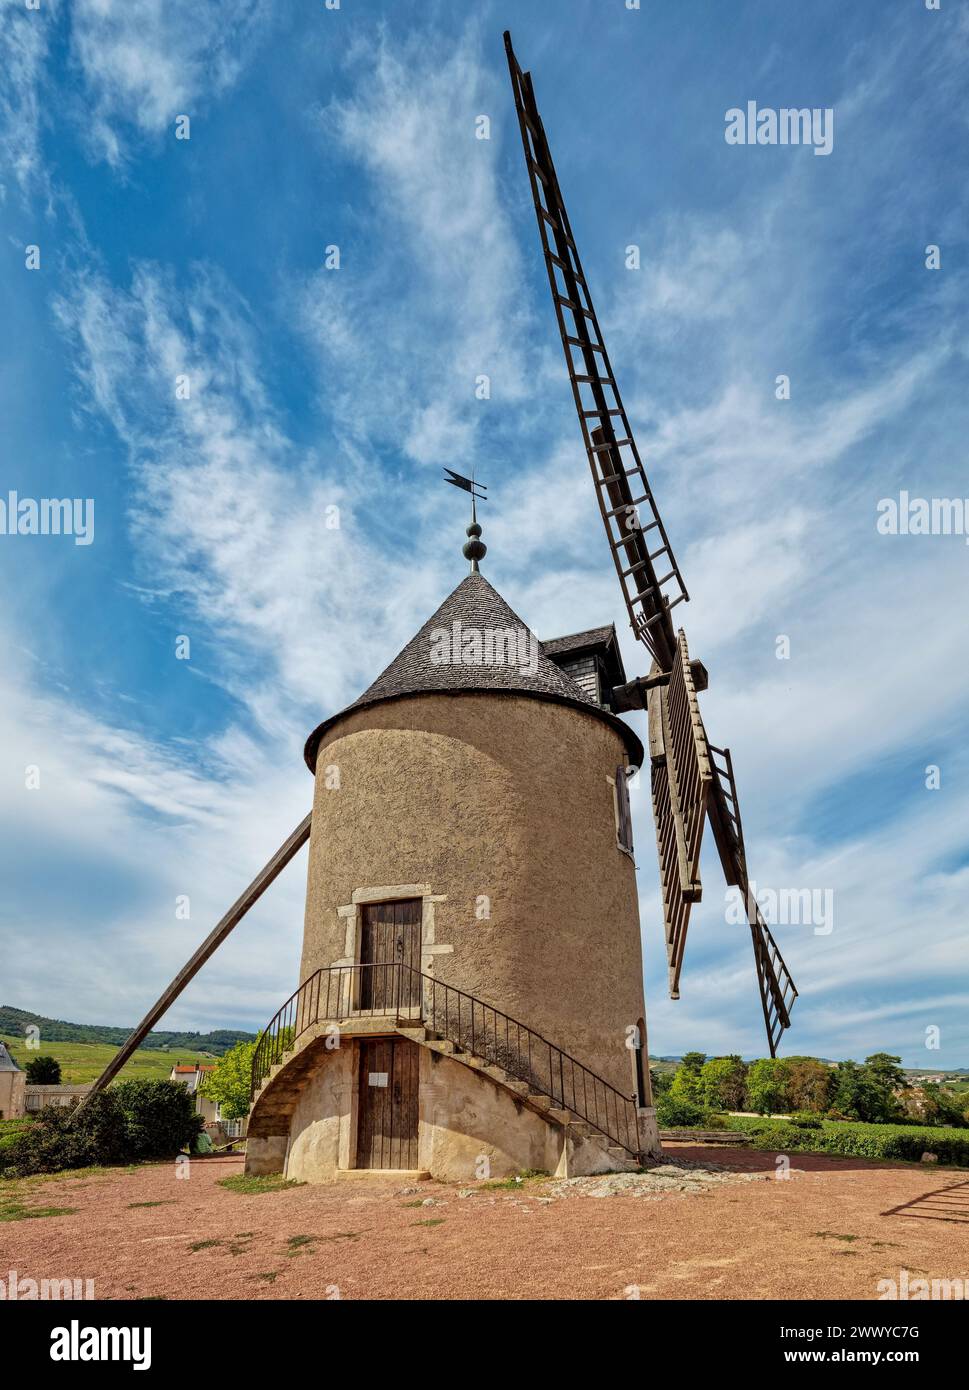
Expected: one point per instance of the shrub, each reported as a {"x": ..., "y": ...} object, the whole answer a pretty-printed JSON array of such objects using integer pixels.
[
  {"x": 159, "y": 1117},
  {"x": 805, "y": 1120},
  {"x": 716, "y": 1121},
  {"x": 857, "y": 1140},
  {"x": 133, "y": 1120},
  {"x": 58, "y": 1140},
  {"x": 676, "y": 1112},
  {"x": 779, "y": 1136}
]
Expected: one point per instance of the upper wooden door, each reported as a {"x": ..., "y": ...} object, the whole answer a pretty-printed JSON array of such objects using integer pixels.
[{"x": 390, "y": 938}]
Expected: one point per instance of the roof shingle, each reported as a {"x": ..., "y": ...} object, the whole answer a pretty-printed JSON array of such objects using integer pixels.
[{"x": 433, "y": 661}]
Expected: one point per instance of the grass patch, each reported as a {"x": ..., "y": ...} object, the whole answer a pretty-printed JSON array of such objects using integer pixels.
[
  {"x": 515, "y": 1181},
  {"x": 166, "y": 1202},
  {"x": 270, "y": 1276},
  {"x": 16, "y": 1211},
  {"x": 249, "y": 1184},
  {"x": 299, "y": 1244},
  {"x": 431, "y": 1221},
  {"x": 203, "y": 1245}
]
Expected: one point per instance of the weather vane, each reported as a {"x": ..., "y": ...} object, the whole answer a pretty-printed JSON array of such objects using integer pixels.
[{"x": 474, "y": 549}]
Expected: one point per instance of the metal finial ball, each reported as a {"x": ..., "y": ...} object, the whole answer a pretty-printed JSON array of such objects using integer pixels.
[{"x": 474, "y": 549}]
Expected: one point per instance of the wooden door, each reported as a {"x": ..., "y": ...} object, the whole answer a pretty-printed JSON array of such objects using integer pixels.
[
  {"x": 387, "y": 1103},
  {"x": 390, "y": 937}
]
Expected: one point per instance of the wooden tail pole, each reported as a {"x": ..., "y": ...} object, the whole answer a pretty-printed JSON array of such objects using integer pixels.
[{"x": 215, "y": 939}]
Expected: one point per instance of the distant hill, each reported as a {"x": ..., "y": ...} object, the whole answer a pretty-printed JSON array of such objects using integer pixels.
[{"x": 15, "y": 1021}]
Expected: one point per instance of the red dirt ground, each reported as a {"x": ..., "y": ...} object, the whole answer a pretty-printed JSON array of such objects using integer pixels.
[{"x": 832, "y": 1230}]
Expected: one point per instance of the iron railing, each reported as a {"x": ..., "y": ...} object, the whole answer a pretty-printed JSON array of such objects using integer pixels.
[{"x": 341, "y": 994}]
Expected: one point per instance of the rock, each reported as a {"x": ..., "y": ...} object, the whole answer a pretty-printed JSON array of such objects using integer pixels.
[
  {"x": 930, "y": 1158},
  {"x": 466, "y": 1192}
]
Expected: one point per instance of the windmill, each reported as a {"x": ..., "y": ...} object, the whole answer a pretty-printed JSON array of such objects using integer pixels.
[
  {"x": 692, "y": 780},
  {"x": 472, "y": 917}
]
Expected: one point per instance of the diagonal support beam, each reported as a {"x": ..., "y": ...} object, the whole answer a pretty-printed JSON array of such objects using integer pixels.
[{"x": 211, "y": 943}]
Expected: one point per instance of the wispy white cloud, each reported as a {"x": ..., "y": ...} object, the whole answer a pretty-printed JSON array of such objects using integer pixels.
[
  {"x": 146, "y": 61},
  {"x": 265, "y": 544},
  {"x": 25, "y": 37},
  {"x": 405, "y": 327}
]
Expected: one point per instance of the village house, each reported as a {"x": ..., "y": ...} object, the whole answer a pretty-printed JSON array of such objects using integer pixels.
[{"x": 12, "y": 1086}]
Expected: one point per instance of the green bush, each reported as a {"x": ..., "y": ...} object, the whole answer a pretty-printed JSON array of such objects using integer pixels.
[
  {"x": 677, "y": 1112},
  {"x": 133, "y": 1120},
  {"x": 779, "y": 1136},
  {"x": 159, "y": 1117},
  {"x": 714, "y": 1120},
  {"x": 805, "y": 1120},
  {"x": 57, "y": 1140},
  {"x": 859, "y": 1140}
]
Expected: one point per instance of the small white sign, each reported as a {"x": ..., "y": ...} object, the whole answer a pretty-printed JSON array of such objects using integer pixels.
[{"x": 377, "y": 1078}]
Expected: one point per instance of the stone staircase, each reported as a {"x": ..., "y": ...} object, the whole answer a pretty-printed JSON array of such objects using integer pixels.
[
  {"x": 531, "y": 1098},
  {"x": 451, "y": 1024},
  {"x": 273, "y": 1103}
]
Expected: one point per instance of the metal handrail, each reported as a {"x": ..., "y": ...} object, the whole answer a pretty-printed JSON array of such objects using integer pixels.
[{"x": 391, "y": 989}]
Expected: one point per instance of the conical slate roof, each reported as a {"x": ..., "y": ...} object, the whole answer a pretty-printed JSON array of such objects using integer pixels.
[
  {"x": 6, "y": 1061},
  {"x": 457, "y": 650}
]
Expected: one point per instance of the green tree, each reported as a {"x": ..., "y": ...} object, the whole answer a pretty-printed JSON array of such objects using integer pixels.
[
  {"x": 693, "y": 1061},
  {"x": 767, "y": 1085},
  {"x": 660, "y": 1081},
  {"x": 886, "y": 1070},
  {"x": 230, "y": 1081},
  {"x": 687, "y": 1080},
  {"x": 724, "y": 1083},
  {"x": 43, "y": 1071},
  {"x": 862, "y": 1094},
  {"x": 943, "y": 1107},
  {"x": 809, "y": 1085}
]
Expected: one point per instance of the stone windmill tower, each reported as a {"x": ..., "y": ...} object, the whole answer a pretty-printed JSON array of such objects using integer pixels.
[
  {"x": 470, "y": 996},
  {"x": 471, "y": 980}
]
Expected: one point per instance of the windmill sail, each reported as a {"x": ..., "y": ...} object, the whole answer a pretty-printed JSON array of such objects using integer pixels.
[
  {"x": 681, "y": 776},
  {"x": 648, "y": 572},
  {"x": 688, "y": 784},
  {"x": 777, "y": 989}
]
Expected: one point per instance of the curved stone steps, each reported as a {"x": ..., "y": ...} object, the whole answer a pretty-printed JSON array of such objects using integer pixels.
[
  {"x": 274, "y": 1102},
  {"x": 537, "y": 1101}
]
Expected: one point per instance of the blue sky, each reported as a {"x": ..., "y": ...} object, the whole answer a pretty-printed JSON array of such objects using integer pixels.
[{"x": 314, "y": 389}]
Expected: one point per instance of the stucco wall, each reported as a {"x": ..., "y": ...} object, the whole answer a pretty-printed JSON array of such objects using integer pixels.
[
  {"x": 12, "y": 1088},
  {"x": 320, "y": 1132},
  {"x": 469, "y": 1129},
  {"x": 496, "y": 796}
]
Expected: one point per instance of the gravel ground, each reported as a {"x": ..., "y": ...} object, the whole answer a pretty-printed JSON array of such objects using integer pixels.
[{"x": 706, "y": 1224}]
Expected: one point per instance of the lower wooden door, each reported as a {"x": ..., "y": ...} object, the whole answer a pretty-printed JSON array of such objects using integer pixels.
[{"x": 387, "y": 1104}]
